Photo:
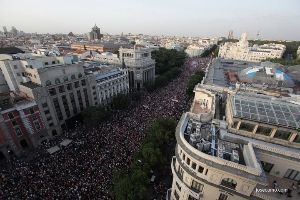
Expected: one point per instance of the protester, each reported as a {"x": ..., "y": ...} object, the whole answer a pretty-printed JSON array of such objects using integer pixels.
[{"x": 84, "y": 169}]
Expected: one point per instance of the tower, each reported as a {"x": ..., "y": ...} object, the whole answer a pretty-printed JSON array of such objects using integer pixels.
[
  {"x": 230, "y": 35},
  {"x": 95, "y": 33}
]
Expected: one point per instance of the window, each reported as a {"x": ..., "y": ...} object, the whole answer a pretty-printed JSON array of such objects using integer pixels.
[
  {"x": 179, "y": 188},
  {"x": 280, "y": 134},
  {"x": 194, "y": 165},
  {"x": 48, "y": 83},
  {"x": 223, "y": 196},
  {"x": 66, "y": 79},
  {"x": 69, "y": 86},
  {"x": 83, "y": 83},
  {"x": 61, "y": 89},
  {"x": 200, "y": 169},
  {"x": 46, "y": 63},
  {"x": 31, "y": 110},
  {"x": 191, "y": 198},
  {"x": 10, "y": 115},
  {"x": 180, "y": 172},
  {"x": 94, "y": 87},
  {"x": 53, "y": 62},
  {"x": 18, "y": 74},
  {"x": 79, "y": 75},
  {"x": 52, "y": 91},
  {"x": 51, "y": 124},
  {"x": 176, "y": 195},
  {"x": 292, "y": 174},
  {"x": 228, "y": 182},
  {"x": 15, "y": 67},
  {"x": 198, "y": 187},
  {"x": 18, "y": 131},
  {"x": 49, "y": 118},
  {"x": 267, "y": 167},
  {"x": 14, "y": 122},
  {"x": 73, "y": 77},
  {"x": 45, "y": 105},
  {"x": 47, "y": 112},
  {"x": 57, "y": 81},
  {"x": 188, "y": 161},
  {"x": 76, "y": 84},
  {"x": 183, "y": 157},
  {"x": 37, "y": 125}
]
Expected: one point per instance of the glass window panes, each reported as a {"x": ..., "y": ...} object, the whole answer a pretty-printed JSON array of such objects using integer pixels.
[
  {"x": 254, "y": 117},
  {"x": 276, "y": 106},
  {"x": 252, "y": 110}
]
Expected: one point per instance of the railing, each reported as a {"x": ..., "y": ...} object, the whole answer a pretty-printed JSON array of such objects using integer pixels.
[
  {"x": 217, "y": 160},
  {"x": 228, "y": 184},
  {"x": 168, "y": 196}
]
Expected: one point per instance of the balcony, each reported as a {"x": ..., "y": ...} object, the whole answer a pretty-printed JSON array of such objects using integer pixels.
[{"x": 228, "y": 184}]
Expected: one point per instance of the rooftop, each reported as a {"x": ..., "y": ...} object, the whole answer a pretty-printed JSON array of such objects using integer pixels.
[
  {"x": 212, "y": 146},
  {"x": 205, "y": 138},
  {"x": 10, "y": 50}
]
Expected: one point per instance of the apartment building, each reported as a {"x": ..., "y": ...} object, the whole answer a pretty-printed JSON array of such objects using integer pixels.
[
  {"x": 111, "y": 80},
  {"x": 197, "y": 49},
  {"x": 21, "y": 125},
  {"x": 138, "y": 61},
  {"x": 59, "y": 86},
  {"x": 240, "y": 157},
  {"x": 242, "y": 51}
]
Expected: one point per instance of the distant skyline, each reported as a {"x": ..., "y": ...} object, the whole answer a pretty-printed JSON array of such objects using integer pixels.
[{"x": 274, "y": 19}]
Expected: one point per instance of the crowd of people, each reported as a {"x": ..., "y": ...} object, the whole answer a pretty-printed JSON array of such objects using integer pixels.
[{"x": 84, "y": 169}]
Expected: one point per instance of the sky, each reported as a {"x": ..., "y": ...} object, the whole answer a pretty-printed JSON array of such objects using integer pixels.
[{"x": 274, "y": 19}]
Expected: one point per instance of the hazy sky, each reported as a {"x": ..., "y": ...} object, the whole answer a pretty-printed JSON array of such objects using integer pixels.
[{"x": 275, "y": 19}]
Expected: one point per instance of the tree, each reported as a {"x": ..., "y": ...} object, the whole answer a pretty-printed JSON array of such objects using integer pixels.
[
  {"x": 120, "y": 102},
  {"x": 134, "y": 184},
  {"x": 94, "y": 115},
  {"x": 194, "y": 80},
  {"x": 151, "y": 154}
]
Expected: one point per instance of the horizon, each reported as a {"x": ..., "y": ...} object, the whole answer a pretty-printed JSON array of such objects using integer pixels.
[{"x": 276, "y": 20}]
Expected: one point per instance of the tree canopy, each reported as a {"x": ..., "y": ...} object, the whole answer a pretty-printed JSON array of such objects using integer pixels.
[
  {"x": 168, "y": 64},
  {"x": 94, "y": 115},
  {"x": 120, "y": 102},
  {"x": 194, "y": 80},
  {"x": 133, "y": 184}
]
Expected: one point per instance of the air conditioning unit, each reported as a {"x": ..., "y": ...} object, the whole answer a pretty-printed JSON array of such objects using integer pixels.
[{"x": 200, "y": 146}]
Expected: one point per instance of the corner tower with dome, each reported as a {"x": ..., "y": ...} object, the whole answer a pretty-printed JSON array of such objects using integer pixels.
[{"x": 95, "y": 34}]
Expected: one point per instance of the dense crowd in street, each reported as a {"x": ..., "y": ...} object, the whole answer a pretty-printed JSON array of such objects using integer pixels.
[{"x": 84, "y": 169}]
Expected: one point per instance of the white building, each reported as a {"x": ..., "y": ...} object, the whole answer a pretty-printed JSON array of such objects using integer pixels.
[
  {"x": 141, "y": 67},
  {"x": 298, "y": 52},
  {"x": 239, "y": 158},
  {"x": 173, "y": 45},
  {"x": 242, "y": 51},
  {"x": 200, "y": 47},
  {"x": 111, "y": 81}
]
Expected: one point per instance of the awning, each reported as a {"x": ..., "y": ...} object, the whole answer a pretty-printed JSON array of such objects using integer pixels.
[
  {"x": 54, "y": 149},
  {"x": 65, "y": 142}
]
